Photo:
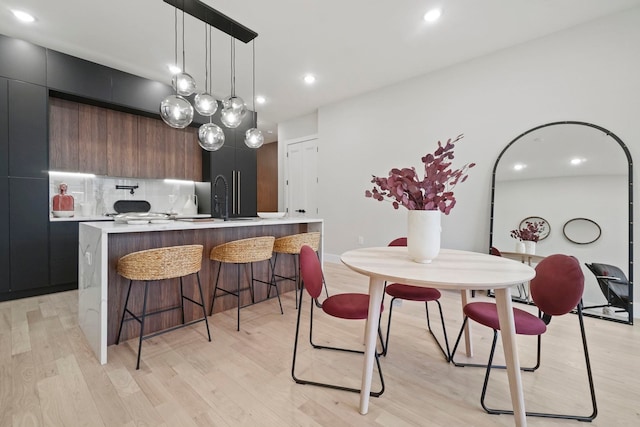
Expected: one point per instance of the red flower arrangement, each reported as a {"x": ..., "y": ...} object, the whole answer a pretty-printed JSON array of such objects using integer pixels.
[
  {"x": 433, "y": 192},
  {"x": 530, "y": 232}
]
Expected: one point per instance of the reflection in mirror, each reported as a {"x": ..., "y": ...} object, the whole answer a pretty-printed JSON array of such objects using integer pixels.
[
  {"x": 562, "y": 171},
  {"x": 581, "y": 231}
]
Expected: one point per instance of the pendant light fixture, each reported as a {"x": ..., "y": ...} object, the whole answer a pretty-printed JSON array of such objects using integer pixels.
[
  {"x": 233, "y": 107},
  {"x": 175, "y": 110},
  {"x": 253, "y": 138},
  {"x": 210, "y": 135},
  {"x": 204, "y": 102},
  {"x": 182, "y": 82}
]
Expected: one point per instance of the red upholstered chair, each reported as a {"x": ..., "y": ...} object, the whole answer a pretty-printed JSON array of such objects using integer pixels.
[
  {"x": 415, "y": 293},
  {"x": 494, "y": 251},
  {"x": 344, "y": 306},
  {"x": 556, "y": 290}
]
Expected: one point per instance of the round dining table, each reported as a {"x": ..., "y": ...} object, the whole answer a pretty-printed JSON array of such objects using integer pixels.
[{"x": 451, "y": 269}]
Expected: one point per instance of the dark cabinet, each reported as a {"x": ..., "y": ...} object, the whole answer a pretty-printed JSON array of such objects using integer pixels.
[
  {"x": 4, "y": 128},
  {"x": 238, "y": 166},
  {"x": 76, "y": 76},
  {"x": 22, "y": 60},
  {"x": 63, "y": 135},
  {"x": 139, "y": 93},
  {"x": 5, "y": 284},
  {"x": 28, "y": 144},
  {"x": 92, "y": 131},
  {"x": 29, "y": 233},
  {"x": 122, "y": 144},
  {"x": 63, "y": 253}
]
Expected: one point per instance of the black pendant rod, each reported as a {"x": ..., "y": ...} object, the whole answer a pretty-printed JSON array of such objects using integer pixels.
[{"x": 207, "y": 14}]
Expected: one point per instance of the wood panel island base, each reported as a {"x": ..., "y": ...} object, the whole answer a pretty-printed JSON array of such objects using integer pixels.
[{"x": 102, "y": 292}]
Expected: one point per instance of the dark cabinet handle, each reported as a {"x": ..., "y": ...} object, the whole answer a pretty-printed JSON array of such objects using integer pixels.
[{"x": 301, "y": 210}]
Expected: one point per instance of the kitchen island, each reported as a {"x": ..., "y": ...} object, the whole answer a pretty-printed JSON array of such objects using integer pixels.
[{"x": 101, "y": 291}]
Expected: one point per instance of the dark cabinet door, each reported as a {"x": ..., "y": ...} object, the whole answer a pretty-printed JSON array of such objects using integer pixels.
[
  {"x": 154, "y": 147},
  {"x": 4, "y": 129},
  {"x": 22, "y": 60},
  {"x": 139, "y": 93},
  {"x": 92, "y": 132},
  {"x": 5, "y": 284},
  {"x": 246, "y": 177},
  {"x": 73, "y": 75},
  {"x": 63, "y": 253},
  {"x": 122, "y": 144},
  {"x": 63, "y": 135},
  {"x": 28, "y": 144},
  {"x": 29, "y": 233}
]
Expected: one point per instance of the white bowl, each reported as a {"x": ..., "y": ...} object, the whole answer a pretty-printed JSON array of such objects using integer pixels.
[
  {"x": 63, "y": 214},
  {"x": 271, "y": 215}
]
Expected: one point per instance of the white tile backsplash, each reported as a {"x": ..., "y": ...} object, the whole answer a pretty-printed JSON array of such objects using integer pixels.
[{"x": 100, "y": 192}]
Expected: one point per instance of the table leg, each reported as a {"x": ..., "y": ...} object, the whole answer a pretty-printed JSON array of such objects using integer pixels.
[
  {"x": 468, "y": 343},
  {"x": 376, "y": 289},
  {"x": 508, "y": 332}
]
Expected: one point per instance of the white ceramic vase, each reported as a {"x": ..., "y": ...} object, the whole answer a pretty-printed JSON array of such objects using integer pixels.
[
  {"x": 529, "y": 247},
  {"x": 423, "y": 235},
  {"x": 520, "y": 247}
]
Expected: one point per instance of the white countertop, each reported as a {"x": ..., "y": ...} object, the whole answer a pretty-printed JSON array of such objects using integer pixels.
[
  {"x": 78, "y": 218},
  {"x": 110, "y": 227}
]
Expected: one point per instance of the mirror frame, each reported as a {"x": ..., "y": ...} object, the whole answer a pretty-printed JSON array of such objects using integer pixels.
[{"x": 630, "y": 202}]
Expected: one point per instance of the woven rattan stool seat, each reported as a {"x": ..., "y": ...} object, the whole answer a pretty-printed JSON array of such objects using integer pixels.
[
  {"x": 239, "y": 252},
  {"x": 161, "y": 264},
  {"x": 292, "y": 244},
  {"x": 244, "y": 251}
]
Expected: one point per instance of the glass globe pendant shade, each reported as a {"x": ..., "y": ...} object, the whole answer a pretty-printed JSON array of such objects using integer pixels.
[
  {"x": 231, "y": 118},
  {"x": 235, "y": 103},
  {"x": 205, "y": 104},
  {"x": 184, "y": 84},
  {"x": 253, "y": 138},
  {"x": 176, "y": 111},
  {"x": 210, "y": 137}
]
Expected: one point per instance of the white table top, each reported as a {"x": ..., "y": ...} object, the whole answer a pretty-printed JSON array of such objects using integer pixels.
[{"x": 451, "y": 269}]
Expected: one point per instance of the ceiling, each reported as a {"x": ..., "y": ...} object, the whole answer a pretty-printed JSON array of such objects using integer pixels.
[{"x": 352, "y": 46}]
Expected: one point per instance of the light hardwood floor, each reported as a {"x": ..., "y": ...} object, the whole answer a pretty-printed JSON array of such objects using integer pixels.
[{"x": 49, "y": 376}]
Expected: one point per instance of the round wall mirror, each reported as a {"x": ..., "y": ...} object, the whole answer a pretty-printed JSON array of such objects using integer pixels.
[
  {"x": 559, "y": 171},
  {"x": 581, "y": 231}
]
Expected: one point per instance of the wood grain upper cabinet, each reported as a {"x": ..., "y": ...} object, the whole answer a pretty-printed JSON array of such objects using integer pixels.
[
  {"x": 193, "y": 155},
  {"x": 122, "y": 144},
  {"x": 153, "y": 147},
  {"x": 92, "y": 135},
  {"x": 63, "y": 135}
]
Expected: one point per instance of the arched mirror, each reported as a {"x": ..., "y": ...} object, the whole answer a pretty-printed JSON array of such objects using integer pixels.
[{"x": 561, "y": 172}]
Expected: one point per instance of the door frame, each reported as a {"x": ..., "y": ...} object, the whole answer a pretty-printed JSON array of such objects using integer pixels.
[{"x": 283, "y": 195}]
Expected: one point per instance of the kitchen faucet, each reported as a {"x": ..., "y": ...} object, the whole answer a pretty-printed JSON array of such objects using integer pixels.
[{"x": 216, "y": 202}]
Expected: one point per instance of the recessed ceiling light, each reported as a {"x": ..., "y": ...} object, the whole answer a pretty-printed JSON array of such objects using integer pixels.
[
  {"x": 309, "y": 79},
  {"x": 519, "y": 166},
  {"x": 577, "y": 161},
  {"x": 433, "y": 15},
  {"x": 261, "y": 99},
  {"x": 174, "y": 69},
  {"x": 23, "y": 16}
]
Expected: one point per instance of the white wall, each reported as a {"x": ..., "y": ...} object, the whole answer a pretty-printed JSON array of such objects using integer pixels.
[{"x": 589, "y": 73}]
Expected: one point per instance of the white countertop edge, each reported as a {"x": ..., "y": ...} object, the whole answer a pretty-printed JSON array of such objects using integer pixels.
[{"x": 110, "y": 227}]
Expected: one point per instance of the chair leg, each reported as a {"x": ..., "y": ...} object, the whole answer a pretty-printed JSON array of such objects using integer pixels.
[
  {"x": 273, "y": 283},
  {"x": 447, "y": 352},
  {"x": 238, "y": 295},
  {"x": 326, "y": 385},
  {"x": 586, "y": 418},
  {"x": 204, "y": 311},
  {"x": 142, "y": 317},
  {"x": 482, "y": 365},
  {"x": 126, "y": 304},
  {"x": 385, "y": 345},
  {"x": 181, "y": 301},
  {"x": 215, "y": 289}
]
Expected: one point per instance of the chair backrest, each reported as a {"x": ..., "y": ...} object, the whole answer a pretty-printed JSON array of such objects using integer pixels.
[
  {"x": 494, "y": 251},
  {"x": 611, "y": 279},
  {"x": 558, "y": 286},
  {"x": 311, "y": 271},
  {"x": 400, "y": 241},
  {"x": 293, "y": 243},
  {"x": 161, "y": 263}
]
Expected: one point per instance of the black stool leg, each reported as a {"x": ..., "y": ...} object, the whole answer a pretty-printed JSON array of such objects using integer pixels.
[
  {"x": 181, "y": 301},
  {"x": 238, "y": 294},
  {"x": 126, "y": 304},
  {"x": 204, "y": 312},
  {"x": 273, "y": 282},
  {"x": 215, "y": 289},
  {"x": 142, "y": 317}
]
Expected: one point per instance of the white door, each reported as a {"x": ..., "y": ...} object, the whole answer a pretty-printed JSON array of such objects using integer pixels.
[{"x": 301, "y": 182}]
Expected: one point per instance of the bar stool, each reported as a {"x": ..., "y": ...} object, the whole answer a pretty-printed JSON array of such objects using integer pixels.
[
  {"x": 161, "y": 264},
  {"x": 243, "y": 252},
  {"x": 291, "y": 245}
]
